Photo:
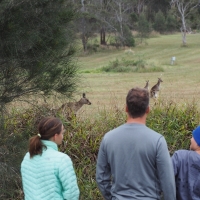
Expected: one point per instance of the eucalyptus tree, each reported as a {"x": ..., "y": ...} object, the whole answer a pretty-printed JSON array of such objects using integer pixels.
[{"x": 184, "y": 8}]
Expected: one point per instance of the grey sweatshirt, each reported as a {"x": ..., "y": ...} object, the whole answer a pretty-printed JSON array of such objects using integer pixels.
[{"x": 134, "y": 164}]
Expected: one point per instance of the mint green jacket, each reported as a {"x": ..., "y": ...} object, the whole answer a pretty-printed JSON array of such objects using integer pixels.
[{"x": 49, "y": 176}]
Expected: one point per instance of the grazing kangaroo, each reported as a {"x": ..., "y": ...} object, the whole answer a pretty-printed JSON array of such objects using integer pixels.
[
  {"x": 147, "y": 85},
  {"x": 155, "y": 89},
  {"x": 71, "y": 108}
]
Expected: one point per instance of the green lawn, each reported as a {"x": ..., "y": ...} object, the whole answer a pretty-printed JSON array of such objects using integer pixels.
[{"x": 181, "y": 81}]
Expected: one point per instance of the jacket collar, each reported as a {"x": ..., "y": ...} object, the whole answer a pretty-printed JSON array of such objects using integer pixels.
[{"x": 50, "y": 144}]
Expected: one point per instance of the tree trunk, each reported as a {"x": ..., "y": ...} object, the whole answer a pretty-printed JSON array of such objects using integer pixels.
[
  {"x": 103, "y": 36},
  {"x": 183, "y": 30},
  {"x": 84, "y": 42}
]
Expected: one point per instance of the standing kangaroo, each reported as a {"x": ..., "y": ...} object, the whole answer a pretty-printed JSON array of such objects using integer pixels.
[
  {"x": 71, "y": 108},
  {"x": 147, "y": 85},
  {"x": 155, "y": 89}
]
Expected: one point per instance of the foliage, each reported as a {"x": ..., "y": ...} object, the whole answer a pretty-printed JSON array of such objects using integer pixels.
[
  {"x": 175, "y": 122},
  {"x": 194, "y": 19},
  {"x": 115, "y": 41},
  {"x": 136, "y": 65},
  {"x": 143, "y": 27},
  {"x": 116, "y": 66},
  {"x": 83, "y": 138},
  {"x": 134, "y": 17},
  {"x": 171, "y": 23},
  {"x": 37, "y": 48},
  {"x": 87, "y": 25},
  {"x": 93, "y": 46},
  {"x": 129, "y": 39},
  {"x": 154, "y": 6},
  {"x": 159, "y": 23},
  {"x": 183, "y": 10}
]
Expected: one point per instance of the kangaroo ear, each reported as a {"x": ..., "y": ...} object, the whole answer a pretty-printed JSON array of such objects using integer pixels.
[{"x": 83, "y": 95}]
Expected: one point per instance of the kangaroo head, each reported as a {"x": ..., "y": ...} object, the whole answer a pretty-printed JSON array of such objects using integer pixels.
[
  {"x": 160, "y": 80},
  {"x": 147, "y": 85},
  {"x": 84, "y": 100}
]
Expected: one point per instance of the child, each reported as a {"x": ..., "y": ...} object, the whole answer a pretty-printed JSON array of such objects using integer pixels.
[
  {"x": 186, "y": 165},
  {"x": 46, "y": 172}
]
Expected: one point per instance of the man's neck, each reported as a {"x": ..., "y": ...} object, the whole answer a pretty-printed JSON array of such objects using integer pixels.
[{"x": 139, "y": 120}]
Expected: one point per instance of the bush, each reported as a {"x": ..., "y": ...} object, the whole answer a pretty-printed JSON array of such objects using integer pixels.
[
  {"x": 137, "y": 65},
  {"x": 83, "y": 139},
  {"x": 115, "y": 41},
  {"x": 175, "y": 122},
  {"x": 171, "y": 23},
  {"x": 160, "y": 24},
  {"x": 129, "y": 39},
  {"x": 93, "y": 46},
  {"x": 116, "y": 66},
  {"x": 143, "y": 27}
]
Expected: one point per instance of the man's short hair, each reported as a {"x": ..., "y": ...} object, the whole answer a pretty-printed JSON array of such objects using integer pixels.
[{"x": 137, "y": 101}]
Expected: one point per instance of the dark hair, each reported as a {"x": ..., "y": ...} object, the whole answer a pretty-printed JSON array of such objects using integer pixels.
[
  {"x": 47, "y": 128},
  {"x": 137, "y": 101}
]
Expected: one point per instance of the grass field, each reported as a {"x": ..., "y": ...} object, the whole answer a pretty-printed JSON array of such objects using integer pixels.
[{"x": 181, "y": 81}]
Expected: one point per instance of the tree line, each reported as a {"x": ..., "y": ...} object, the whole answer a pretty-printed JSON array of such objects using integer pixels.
[{"x": 120, "y": 17}]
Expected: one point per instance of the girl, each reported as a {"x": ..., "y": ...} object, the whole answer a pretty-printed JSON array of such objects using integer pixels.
[{"x": 46, "y": 173}]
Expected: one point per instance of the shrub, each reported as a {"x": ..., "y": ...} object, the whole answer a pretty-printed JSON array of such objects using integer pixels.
[
  {"x": 116, "y": 66},
  {"x": 137, "y": 65},
  {"x": 129, "y": 40},
  {"x": 171, "y": 23},
  {"x": 93, "y": 46},
  {"x": 82, "y": 141},
  {"x": 160, "y": 24},
  {"x": 115, "y": 41},
  {"x": 143, "y": 27},
  {"x": 175, "y": 122}
]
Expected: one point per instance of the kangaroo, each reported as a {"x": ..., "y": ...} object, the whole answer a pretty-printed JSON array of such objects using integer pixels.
[
  {"x": 147, "y": 85},
  {"x": 155, "y": 89},
  {"x": 71, "y": 108}
]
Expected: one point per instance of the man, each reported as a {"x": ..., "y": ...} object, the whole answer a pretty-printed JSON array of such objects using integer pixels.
[
  {"x": 133, "y": 161},
  {"x": 187, "y": 169}
]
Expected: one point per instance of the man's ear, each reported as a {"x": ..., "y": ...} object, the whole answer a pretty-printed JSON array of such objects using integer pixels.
[
  {"x": 126, "y": 108},
  {"x": 148, "y": 110}
]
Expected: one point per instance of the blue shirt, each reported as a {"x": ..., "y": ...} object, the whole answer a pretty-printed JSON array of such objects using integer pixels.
[{"x": 187, "y": 174}]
